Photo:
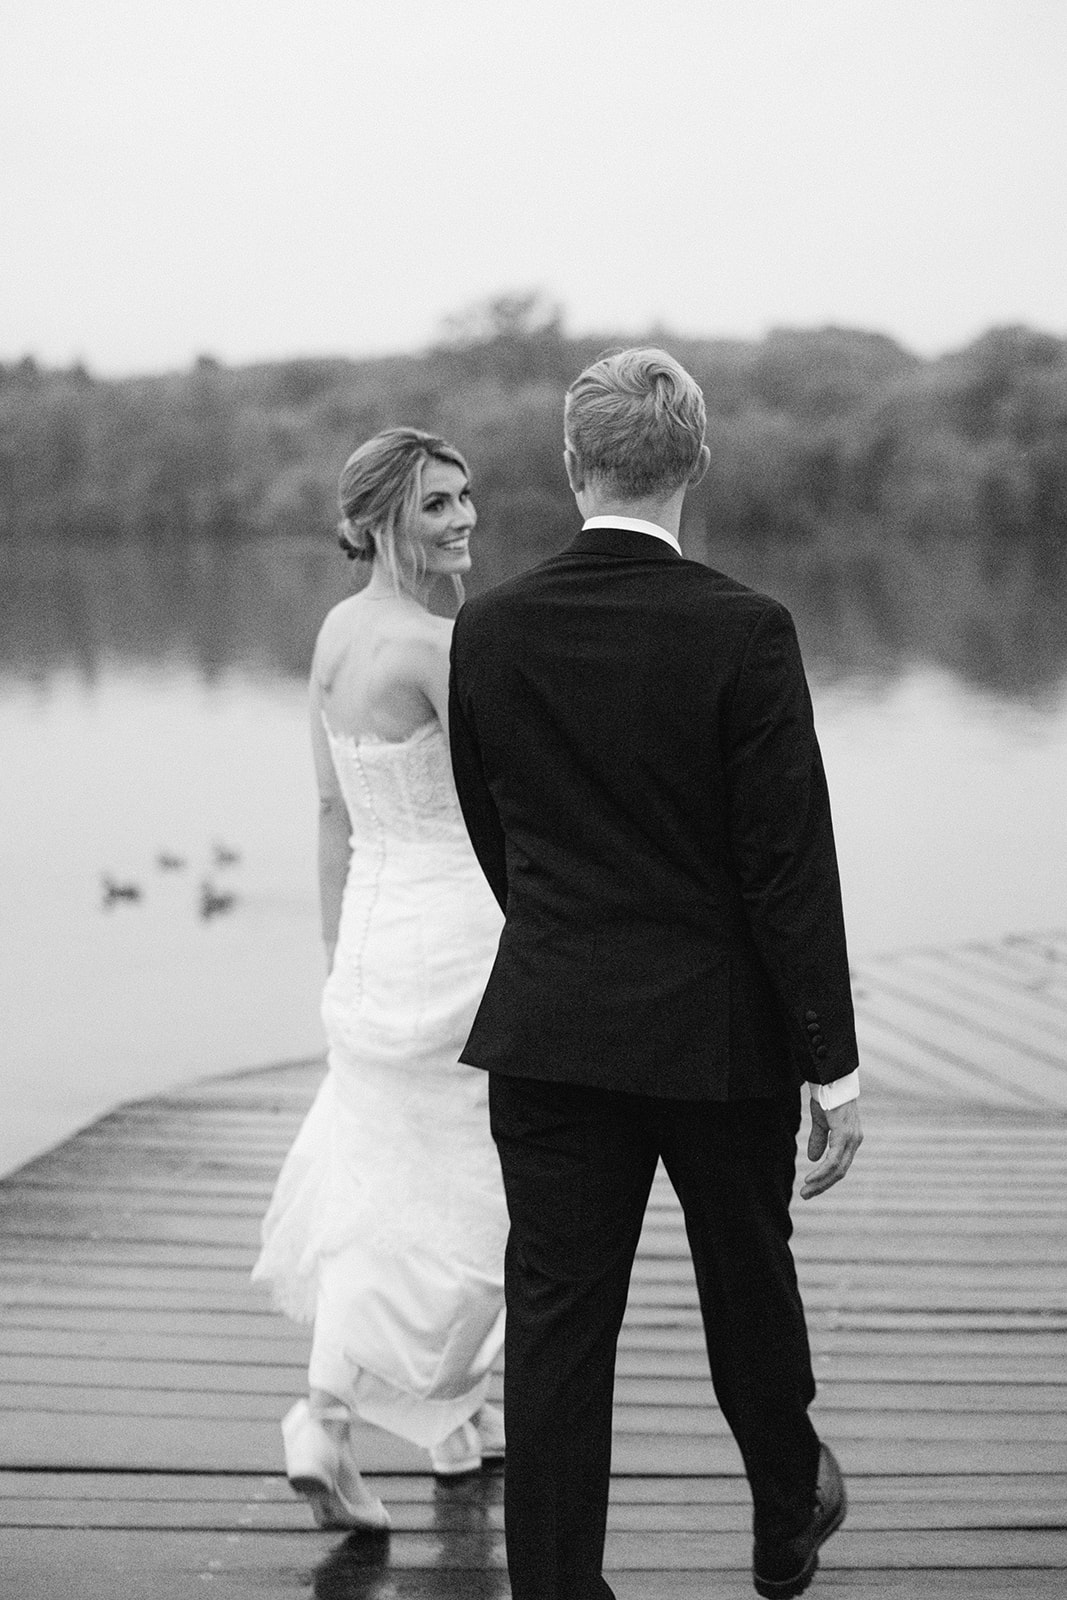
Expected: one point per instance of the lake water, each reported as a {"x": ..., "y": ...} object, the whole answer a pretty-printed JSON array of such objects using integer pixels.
[{"x": 154, "y": 706}]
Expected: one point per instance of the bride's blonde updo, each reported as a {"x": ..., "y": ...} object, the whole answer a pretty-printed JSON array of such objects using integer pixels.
[{"x": 380, "y": 493}]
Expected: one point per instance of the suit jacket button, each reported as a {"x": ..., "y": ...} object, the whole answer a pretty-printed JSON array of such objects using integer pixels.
[
  {"x": 821, "y": 1051},
  {"x": 812, "y": 1027},
  {"x": 811, "y": 1016}
]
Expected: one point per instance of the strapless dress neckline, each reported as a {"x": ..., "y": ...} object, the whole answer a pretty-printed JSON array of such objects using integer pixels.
[{"x": 372, "y": 742}]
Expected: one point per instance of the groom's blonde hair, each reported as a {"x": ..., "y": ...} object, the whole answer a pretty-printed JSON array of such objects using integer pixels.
[{"x": 636, "y": 420}]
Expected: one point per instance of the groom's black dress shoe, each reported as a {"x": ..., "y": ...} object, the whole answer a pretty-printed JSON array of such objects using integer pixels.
[{"x": 780, "y": 1571}]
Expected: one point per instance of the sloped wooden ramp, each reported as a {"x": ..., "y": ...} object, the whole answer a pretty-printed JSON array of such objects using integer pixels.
[
  {"x": 141, "y": 1376},
  {"x": 981, "y": 1023}
]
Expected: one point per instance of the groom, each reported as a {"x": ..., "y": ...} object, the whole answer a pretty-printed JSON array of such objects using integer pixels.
[{"x": 634, "y": 752}]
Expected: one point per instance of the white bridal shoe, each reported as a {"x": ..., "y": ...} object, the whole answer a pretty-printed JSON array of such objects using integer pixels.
[
  {"x": 316, "y": 1464},
  {"x": 470, "y": 1445}
]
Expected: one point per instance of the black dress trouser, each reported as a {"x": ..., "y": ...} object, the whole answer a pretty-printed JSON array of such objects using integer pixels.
[{"x": 578, "y": 1165}]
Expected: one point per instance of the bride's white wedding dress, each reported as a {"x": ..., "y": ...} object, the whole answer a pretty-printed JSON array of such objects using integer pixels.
[{"x": 387, "y": 1225}]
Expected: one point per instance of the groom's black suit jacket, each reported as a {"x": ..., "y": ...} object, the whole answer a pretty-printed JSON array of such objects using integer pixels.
[{"x": 634, "y": 752}]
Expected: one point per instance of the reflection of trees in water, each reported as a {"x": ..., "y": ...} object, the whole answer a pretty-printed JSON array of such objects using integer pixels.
[
  {"x": 994, "y": 615},
  {"x": 254, "y": 607},
  {"x": 997, "y": 623}
]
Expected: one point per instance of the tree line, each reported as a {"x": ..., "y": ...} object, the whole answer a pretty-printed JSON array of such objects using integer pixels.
[{"x": 829, "y": 439}]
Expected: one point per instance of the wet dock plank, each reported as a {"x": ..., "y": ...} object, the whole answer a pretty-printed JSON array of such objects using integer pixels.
[{"x": 141, "y": 1376}]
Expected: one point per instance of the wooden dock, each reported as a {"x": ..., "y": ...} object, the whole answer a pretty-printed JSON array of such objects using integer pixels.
[{"x": 142, "y": 1377}]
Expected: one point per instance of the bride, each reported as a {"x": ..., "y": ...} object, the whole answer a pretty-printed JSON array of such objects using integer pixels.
[{"x": 387, "y": 1225}]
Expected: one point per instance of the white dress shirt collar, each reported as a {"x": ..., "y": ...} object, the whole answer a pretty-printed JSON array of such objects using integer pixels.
[{"x": 634, "y": 525}]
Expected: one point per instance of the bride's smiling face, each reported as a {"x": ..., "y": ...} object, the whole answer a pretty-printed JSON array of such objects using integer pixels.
[{"x": 440, "y": 530}]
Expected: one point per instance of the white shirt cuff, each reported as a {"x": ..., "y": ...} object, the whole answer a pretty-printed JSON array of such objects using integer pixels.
[{"x": 832, "y": 1095}]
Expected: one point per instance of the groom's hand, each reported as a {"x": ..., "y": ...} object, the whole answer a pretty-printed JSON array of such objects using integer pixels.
[{"x": 834, "y": 1139}]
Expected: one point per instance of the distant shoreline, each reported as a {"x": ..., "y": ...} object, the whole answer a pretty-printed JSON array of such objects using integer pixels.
[{"x": 814, "y": 434}]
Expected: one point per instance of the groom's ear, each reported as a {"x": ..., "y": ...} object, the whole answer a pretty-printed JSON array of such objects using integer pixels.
[
  {"x": 575, "y": 475},
  {"x": 703, "y": 463}
]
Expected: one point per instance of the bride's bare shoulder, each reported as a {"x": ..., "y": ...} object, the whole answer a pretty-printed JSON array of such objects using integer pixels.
[
  {"x": 336, "y": 632},
  {"x": 404, "y": 627},
  {"x": 423, "y": 627},
  {"x": 341, "y": 618},
  {"x": 391, "y": 638}
]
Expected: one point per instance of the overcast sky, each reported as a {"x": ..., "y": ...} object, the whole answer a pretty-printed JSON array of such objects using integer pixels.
[{"x": 269, "y": 178}]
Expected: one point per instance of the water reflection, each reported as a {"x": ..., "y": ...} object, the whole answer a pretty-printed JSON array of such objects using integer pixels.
[
  {"x": 254, "y": 607},
  {"x": 154, "y": 726},
  {"x": 466, "y": 1555},
  {"x": 468, "y": 1525},
  {"x": 356, "y": 1569},
  {"x": 995, "y": 618},
  {"x": 996, "y": 621}
]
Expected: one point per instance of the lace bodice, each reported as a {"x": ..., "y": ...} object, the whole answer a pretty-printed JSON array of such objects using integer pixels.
[{"x": 402, "y": 790}]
